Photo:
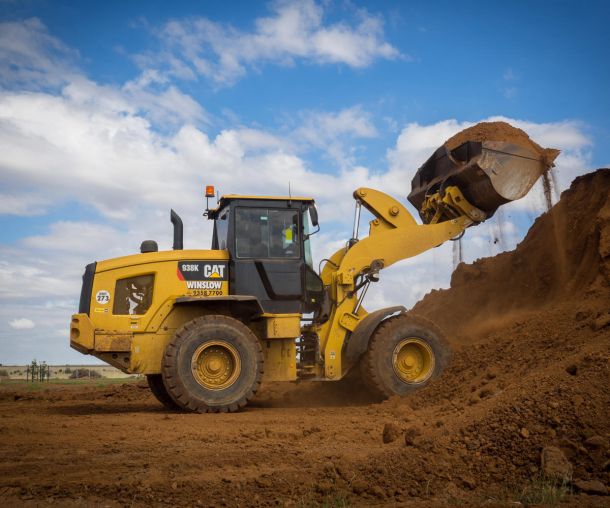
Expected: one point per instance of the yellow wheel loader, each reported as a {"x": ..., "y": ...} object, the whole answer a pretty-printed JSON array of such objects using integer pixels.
[{"x": 207, "y": 326}]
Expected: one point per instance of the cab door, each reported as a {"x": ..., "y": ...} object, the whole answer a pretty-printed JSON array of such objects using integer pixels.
[{"x": 267, "y": 259}]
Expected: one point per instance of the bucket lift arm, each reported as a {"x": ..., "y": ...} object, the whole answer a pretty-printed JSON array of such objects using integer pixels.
[{"x": 394, "y": 235}]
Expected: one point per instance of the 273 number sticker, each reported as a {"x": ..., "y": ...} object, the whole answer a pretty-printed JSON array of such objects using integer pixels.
[{"x": 102, "y": 297}]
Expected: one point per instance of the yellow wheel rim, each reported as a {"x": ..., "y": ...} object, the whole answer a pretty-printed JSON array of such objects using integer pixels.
[
  {"x": 413, "y": 360},
  {"x": 216, "y": 365}
]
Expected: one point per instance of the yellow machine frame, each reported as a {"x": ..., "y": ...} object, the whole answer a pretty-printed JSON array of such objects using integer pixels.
[{"x": 136, "y": 344}]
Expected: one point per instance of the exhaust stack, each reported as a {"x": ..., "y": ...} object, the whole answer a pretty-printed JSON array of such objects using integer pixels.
[{"x": 178, "y": 230}]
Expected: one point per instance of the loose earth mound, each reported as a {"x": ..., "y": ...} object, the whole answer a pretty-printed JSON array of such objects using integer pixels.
[
  {"x": 530, "y": 330},
  {"x": 564, "y": 257},
  {"x": 500, "y": 131}
]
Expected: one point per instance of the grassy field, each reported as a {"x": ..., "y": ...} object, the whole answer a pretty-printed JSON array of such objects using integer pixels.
[{"x": 36, "y": 386}]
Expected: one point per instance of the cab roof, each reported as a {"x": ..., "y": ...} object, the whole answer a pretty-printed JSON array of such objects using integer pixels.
[
  {"x": 230, "y": 197},
  {"x": 227, "y": 198}
]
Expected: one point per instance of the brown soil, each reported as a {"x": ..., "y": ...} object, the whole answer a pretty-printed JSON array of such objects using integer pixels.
[
  {"x": 493, "y": 131},
  {"x": 500, "y": 131},
  {"x": 531, "y": 337},
  {"x": 547, "y": 189},
  {"x": 564, "y": 257}
]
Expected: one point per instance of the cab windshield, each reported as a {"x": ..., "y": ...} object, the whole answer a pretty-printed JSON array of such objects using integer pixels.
[{"x": 267, "y": 233}]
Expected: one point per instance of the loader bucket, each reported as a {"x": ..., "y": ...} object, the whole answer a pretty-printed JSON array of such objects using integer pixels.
[{"x": 488, "y": 173}]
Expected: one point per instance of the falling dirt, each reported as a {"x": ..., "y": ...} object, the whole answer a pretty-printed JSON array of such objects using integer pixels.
[
  {"x": 547, "y": 187},
  {"x": 529, "y": 377},
  {"x": 458, "y": 253},
  {"x": 499, "y": 236}
]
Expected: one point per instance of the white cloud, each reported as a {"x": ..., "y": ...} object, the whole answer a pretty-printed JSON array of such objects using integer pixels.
[
  {"x": 28, "y": 53},
  {"x": 417, "y": 142},
  {"x": 334, "y": 132},
  {"x": 72, "y": 237},
  {"x": 26, "y": 204},
  {"x": 295, "y": 30},
  {"x": 169, "y": 107},
  {"x": 22, "y": 324},
  {"x": 32, "y": 59}
]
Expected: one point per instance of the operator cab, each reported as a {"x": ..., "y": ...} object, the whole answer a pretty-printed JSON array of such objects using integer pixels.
[{"x": 270, "y": 251}]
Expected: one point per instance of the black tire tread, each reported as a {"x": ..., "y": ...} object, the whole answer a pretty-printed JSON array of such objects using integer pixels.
[
  {"x": 370, "y": 375},
  {"x": 180, "y": 396},
  {"x": 155, "y": 383}
]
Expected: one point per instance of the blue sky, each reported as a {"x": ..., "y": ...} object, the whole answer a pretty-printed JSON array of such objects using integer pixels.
[{"x": 111, "y": 113}]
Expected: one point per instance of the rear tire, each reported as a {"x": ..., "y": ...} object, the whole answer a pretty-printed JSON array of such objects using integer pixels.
[
  {"x": 213, "y": 364},
  {"x": 404, "y": 354},
  {"x": 155, "y": 383}
]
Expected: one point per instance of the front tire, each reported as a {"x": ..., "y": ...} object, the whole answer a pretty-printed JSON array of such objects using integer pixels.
[
  {"x": 405, "y": 353},
  {"x": 155, "y": 383},
  {"x": 213, "y": 364}
]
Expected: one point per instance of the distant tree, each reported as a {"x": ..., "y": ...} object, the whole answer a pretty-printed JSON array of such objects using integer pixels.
[
  {"x": 85, "y": 373},
  {"x": 3, "y": 373},
  {"x": 68, "y": 370}
]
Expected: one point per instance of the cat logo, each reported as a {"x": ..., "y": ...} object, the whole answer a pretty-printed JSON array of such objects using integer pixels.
[
  {"x": 214, "y": 271},
  {"x": 202, "y": 270}
]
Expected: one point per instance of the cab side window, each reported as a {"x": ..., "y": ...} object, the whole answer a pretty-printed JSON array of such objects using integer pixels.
[
  {"x": 133, "y": 295},
  {"x": 221, "y": 225}
]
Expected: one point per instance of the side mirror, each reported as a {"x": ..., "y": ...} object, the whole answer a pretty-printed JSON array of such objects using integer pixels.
[{"x": 313, "y": 215}]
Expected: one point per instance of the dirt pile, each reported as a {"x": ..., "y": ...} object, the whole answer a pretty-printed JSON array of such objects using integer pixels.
[
  {"x": 500, "y": 131},
  {"x": 522, "y": 386},
  {"x": 564, "y": 256},
  {"x": 493, "y": 131}
]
